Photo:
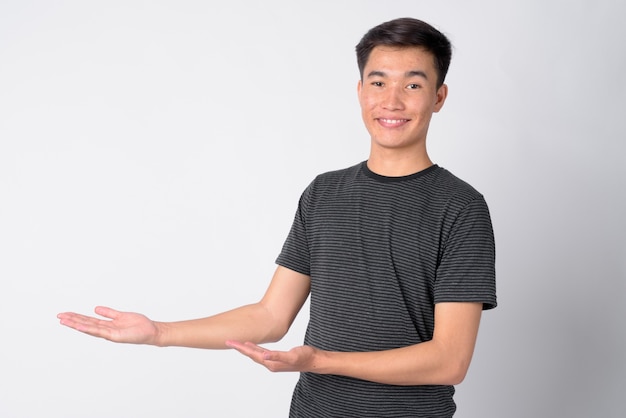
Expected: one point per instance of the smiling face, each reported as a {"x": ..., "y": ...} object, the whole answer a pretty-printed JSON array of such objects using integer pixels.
[{"x": 398, "y": 95}]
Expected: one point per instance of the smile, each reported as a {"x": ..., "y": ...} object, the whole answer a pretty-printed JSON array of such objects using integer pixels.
[{"x": 392, "y": 122}]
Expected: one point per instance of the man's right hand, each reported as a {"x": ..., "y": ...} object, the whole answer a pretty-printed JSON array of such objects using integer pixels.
[{"x": 121, "y": 327}]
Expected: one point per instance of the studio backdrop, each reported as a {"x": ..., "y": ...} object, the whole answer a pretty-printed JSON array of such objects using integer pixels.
[{"x": 152, "y": 155}]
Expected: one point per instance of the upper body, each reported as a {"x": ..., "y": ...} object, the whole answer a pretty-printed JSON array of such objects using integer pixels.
[
  {"x": 427, "y": 341},
  {"x": 380, "y": 253},
  {"x": 399, "y": 271}
]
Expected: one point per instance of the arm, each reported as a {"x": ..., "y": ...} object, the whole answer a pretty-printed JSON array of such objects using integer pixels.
[
  {"x": 444, "y": 360},
  {"x": 265, "y": 321}
]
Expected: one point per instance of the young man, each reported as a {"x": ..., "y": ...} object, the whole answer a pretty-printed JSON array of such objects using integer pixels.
[{"x": 396, "y": 253}]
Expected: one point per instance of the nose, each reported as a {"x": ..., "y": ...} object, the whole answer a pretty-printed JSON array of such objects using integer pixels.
[{"x": 393, "y": 99}]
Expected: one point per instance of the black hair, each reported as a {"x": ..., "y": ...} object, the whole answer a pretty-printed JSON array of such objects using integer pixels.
[{"x": 407, "y": 32}]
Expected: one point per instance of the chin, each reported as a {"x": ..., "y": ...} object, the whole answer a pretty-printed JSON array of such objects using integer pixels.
[{"x": 392, "y": 144}]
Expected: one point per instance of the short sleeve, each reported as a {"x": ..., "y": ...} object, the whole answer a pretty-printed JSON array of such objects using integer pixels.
[
  {"x": 295, "y": 252},
  {"x": 466, "y": 272}
]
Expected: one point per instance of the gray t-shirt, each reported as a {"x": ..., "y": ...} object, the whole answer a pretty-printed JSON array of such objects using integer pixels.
[{"x": 381, "y": 252}]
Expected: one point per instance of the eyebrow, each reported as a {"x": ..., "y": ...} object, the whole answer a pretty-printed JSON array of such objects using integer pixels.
[{"x": 412, "y": 73}]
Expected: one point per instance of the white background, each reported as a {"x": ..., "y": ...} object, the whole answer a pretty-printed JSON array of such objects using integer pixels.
[{"x": 152, "y": 155}]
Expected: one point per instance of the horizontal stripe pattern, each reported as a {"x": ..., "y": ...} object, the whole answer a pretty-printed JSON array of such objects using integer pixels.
[{"x": 381, "y": 252}]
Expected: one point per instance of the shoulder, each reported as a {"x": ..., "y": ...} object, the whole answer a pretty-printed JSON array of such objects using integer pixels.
[
  {"x": 328, "y": 184},
  {"x": 334, "y": 179},
  {"x": 452, "y": 188},
  {"x": 452, "y": 184},
  {"x": 338, "y": 175},
  {"x": 451, "y": 196}
]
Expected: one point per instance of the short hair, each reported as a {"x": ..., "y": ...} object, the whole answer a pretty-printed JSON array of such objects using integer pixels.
[{"x": 407, "y": 32}]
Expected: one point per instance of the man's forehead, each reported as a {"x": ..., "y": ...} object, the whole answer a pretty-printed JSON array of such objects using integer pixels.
[
  {"x": 385, "y": 60},
  {"x": 407, "y": 74}
]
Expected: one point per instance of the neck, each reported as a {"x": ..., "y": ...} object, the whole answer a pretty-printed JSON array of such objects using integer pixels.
[{"x": 391, "y": 163}]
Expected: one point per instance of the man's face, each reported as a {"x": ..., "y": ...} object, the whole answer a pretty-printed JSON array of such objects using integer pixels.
[{"x": 398, "y": 95}]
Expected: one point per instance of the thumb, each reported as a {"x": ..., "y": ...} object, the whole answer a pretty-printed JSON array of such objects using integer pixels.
[{"x": 107, "y": 312}]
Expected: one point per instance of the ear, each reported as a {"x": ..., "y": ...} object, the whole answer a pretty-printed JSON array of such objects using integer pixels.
[
  {"x": 442, "y": 93},
  {"x": 359, "y": 90}
]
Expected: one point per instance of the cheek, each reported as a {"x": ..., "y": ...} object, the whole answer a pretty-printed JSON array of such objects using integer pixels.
[{"x": 367, "y": 103}]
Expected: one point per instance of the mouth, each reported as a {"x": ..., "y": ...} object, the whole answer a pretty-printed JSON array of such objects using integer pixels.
[{"x": 392, "y": 123}]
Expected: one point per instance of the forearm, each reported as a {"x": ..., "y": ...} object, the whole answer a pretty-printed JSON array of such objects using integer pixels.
[
  {"x": 427, "y": 363},
  {"x": 444, "y": 360},
  {"x": 248, "y": 323}
]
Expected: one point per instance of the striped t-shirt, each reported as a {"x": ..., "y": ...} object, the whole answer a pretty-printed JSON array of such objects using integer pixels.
[{"x": 381, "y": 252}]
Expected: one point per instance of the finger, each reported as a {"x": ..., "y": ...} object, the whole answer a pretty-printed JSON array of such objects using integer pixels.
[
  {"x": 254, "y": 347},
  {"x": 250, "y": 350},
  {"x": 274, "y": 356},
  {"x": 64, "y": 315},
  {"x": 247, "y": 348},
  {"x": 70, "y": 318},
  {"x": 233, "y": 344},
  {"x": 85, "y": 324},
  {"x": 84, "y": 327},
  {"x": 107, "y": 312},
  {"x": 238, "y": 346}
]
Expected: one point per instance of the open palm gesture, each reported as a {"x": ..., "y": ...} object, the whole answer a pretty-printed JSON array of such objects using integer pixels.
[{"x": 120, "y": 327}]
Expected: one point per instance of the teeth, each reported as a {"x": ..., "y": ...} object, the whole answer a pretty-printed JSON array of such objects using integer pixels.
[{"x": 392, "y": 121}]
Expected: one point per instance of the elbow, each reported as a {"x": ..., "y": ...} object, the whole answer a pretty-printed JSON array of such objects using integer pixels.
[
  {"x": 455, "y": 378},
  {"x": 276, "y": 334},
  {"x": 272, "y": 338},
  {"x": 271, "y": 328},
  {"x": 455, "y": 373}
]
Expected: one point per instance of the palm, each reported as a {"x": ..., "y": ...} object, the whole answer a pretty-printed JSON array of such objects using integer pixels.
[{"x": 123, "y": 327}]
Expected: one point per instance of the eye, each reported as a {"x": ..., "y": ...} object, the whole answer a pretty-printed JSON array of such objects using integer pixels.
[
  {"x": 377, "y": 83},
  {"x": 413, "y": 86}
]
